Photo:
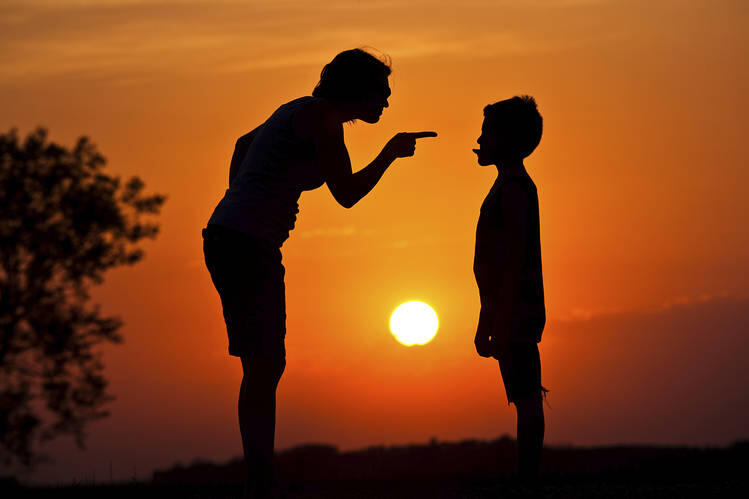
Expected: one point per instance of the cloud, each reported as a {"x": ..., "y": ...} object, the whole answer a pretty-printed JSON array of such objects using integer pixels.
[
  {"x": 346, "y": 231},
  {"x": 116, "y": 37},
  {"x": 676, "y": 374}
]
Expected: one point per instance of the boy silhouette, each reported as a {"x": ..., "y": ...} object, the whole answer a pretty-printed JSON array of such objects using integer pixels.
[{"x": 507, "y": 266}]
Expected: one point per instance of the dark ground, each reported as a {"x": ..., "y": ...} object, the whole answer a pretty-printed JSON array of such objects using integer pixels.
[
  {"x": 593, "y": 487},
  {"x": 468, "y": 469}
]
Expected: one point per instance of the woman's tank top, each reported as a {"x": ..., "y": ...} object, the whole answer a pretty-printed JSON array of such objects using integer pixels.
[{"x": 262, "y": 200}]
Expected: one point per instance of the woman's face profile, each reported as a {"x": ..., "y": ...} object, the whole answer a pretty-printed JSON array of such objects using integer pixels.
[{"x": 369, "y": 109}]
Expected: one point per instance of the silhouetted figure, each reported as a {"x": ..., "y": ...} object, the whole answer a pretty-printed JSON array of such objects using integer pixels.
[
  {"x": 507, "y": 265},
  {"x": 299, "y": 147}
]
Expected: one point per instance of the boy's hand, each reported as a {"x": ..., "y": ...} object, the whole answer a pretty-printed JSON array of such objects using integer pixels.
[
  {"x": 483, "y": 338},
  {"x": 499, "y": 346},
  {"x": 500, "y": 340},
  {"x": 483, "y": 345}
]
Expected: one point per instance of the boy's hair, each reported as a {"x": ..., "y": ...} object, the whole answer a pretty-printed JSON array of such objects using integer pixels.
[
  {"x": 351, "y": 75},
  {"x": 519, "y": 120}
]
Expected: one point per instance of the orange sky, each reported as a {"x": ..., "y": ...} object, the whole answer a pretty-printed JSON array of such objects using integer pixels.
[{"x": 641, "y": 175}]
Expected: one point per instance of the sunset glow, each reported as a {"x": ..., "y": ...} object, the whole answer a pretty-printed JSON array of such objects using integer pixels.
[{"x": 642, "y": 183}]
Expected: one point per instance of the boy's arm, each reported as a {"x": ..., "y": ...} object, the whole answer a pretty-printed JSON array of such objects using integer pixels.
[
  {"x": 514, "y": 207},
  {"x": 240, "y": 151}
]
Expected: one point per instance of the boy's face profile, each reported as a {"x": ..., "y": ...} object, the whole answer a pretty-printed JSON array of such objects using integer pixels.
[{"x": 488, "y": 151}]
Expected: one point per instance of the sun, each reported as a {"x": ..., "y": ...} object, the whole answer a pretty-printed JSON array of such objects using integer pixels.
[{"x": 414, "y": 323}]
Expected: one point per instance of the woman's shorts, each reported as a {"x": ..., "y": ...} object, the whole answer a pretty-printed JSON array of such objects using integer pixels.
[{"x": 249, "y": 277}]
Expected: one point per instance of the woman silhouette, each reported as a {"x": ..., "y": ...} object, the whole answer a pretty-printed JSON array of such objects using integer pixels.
[{"x": 300, "y": 147}]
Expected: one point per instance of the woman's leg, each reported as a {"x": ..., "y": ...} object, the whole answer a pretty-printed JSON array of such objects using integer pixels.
[{"x": 257, "y": 420}]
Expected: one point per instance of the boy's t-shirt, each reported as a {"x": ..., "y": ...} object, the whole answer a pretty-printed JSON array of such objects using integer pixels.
[{"x": 489, "y": 264}]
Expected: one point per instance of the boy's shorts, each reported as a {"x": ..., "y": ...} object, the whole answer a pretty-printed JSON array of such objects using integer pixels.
[
  {"x": 521, "y": 370},
  {"x": 249, "y": 277}
]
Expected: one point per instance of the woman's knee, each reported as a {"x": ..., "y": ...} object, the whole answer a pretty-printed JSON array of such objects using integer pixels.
[{"x": 263, "y": 370}]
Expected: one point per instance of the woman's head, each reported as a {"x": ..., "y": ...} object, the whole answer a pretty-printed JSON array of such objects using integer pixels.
[{"x": 358, "y": 81}]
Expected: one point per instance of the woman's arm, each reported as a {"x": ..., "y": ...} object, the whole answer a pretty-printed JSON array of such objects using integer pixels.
[
  {"x": 347, "y": 187},
  {"x": 240, "y": 151}
]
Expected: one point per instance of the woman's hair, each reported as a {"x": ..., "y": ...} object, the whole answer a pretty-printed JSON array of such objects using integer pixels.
[{"x": 352, "y": 75}]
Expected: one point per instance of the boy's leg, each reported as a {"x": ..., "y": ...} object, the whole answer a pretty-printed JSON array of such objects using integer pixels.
[
  {"x": 530, "y": 436},
  {"x": 520, "y": 366}
]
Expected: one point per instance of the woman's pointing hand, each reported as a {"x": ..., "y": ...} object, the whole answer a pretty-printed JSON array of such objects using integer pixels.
[{"x": 403, "y": 144}]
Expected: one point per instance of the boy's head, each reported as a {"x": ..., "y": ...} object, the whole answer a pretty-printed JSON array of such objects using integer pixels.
[{"x": 510, "y": 132}]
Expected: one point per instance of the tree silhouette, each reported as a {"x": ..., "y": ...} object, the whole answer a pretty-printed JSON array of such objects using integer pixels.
[{"x": 63, "y": 224}]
